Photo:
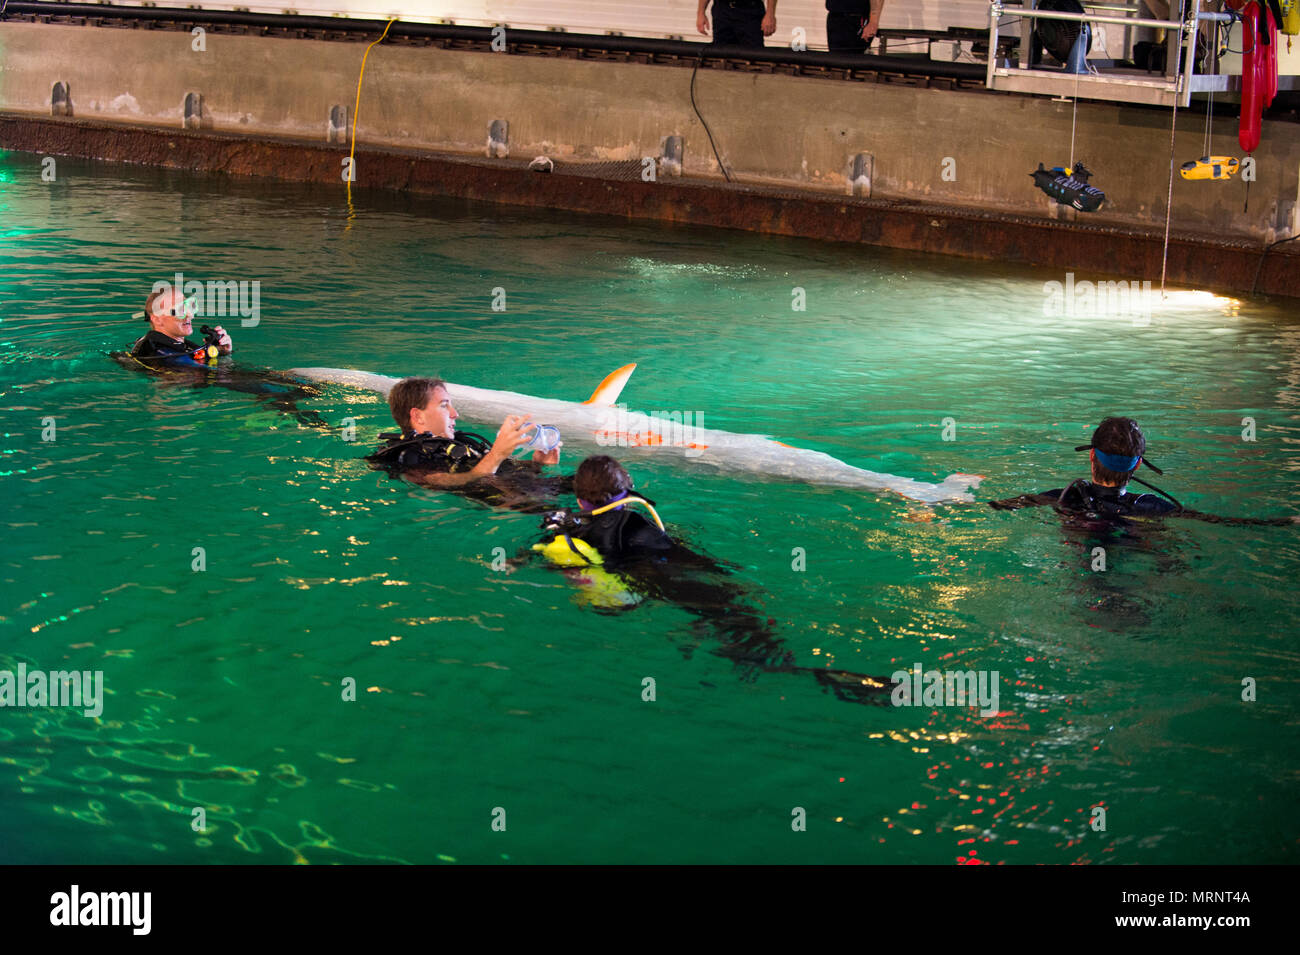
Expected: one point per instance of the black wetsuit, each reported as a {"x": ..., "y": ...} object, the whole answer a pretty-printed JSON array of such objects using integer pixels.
[
  {"x": 1114, "y": 505},
  {"x": 1095, "y": 498},
  {"x": 424, "y": 452},
  {"x": 623, "y": 535},
  {"x": 172, "y": 360},
  {"x": 517, "y": 485},
  {"x": 156, "y": 346},
  {"x": 654, "y": 565}
]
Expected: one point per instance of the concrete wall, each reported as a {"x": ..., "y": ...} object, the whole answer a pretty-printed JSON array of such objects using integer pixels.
[{"x": 772, "y": 129}]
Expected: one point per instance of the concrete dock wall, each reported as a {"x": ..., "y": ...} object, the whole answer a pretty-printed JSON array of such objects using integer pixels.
[
  {"x": 944, "y": 146},
  {"x": 947, "y": 170}
]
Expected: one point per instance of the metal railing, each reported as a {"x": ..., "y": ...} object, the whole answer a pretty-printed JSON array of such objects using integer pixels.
[{"x": 1175, "y": 84}]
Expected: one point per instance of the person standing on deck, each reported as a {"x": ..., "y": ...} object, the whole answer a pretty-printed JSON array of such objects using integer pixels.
[
  {"x": 738, "y": 22},
  {"x": 851, "y": 24}
]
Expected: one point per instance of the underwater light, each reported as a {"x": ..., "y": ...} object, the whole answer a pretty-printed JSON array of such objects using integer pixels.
[{"x": 1195, "y": 300}]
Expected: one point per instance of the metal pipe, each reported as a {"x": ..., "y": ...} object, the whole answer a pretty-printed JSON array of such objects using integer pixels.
[
  {"x": 1089, "y": 18},
  {"x": 998, "y": 10}
]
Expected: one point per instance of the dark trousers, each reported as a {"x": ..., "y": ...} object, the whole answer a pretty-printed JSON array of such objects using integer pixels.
[
  {"x": 738, "y": 23},
  {"x": 844, "y": 32}
]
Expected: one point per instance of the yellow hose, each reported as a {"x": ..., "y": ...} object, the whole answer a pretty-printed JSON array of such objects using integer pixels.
[
  {"x": 356, "y": 109},
  {"x": 630, "y": 500}
]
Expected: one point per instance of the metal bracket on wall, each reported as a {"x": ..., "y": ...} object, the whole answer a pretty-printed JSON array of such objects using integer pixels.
[
  {"x": 336, "y": 130},
  {"x": 498, "y": 143},
  {"x": 671, "y": 151},
  {"x": 193, "y": 111},
  {"x": 861, "y": 171},
  {"x": 61, "y": 100}
]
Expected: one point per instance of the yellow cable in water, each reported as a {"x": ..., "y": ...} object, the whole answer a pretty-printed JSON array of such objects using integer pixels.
[{"x": 356, "y": 109}]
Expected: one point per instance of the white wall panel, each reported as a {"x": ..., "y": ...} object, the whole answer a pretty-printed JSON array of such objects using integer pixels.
[{"x": 653, "y": 18}]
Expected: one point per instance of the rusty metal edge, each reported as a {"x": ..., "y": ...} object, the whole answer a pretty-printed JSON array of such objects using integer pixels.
[{"x": 1197, "y": 261}]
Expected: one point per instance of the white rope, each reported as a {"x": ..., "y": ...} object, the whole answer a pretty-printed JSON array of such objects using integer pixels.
[
  {"x": 1209, "y": 124},
  {"x": 1073, "y": 119},
  {"x": 1169, "y": 199}
]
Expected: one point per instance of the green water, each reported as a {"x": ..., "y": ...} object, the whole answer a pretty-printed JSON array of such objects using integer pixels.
[{"x": 1119, "y": 689}]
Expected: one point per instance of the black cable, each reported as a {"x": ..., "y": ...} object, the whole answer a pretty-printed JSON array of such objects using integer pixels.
[
  {"x": 1159, "y": 491},
  {"x": 1236, "y": 17},
  {"x": 1268, "y": 248},
  {"x": 700, "y": 59}
]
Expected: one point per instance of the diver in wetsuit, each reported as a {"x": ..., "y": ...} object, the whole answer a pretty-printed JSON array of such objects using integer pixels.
[
  {"x": 1116, "y": 451},
  {"x": 431, "y": 451},
  {"x": 609, "y": 530},
  {"x": 171, "y": 318},
  {"x": 620, "y": 557},
  {"x": 165, "y": 352}
]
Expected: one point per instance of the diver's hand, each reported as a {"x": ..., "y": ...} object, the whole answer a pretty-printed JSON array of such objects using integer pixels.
[
  {"x": 702, "y": 20},
  {"x": 768, "y": 26},
  {"x": 870, "y": 29},
  {"x": 548, "y": 457},
  {"x": 224, "y": 344},
  {"x": 514, "y": 431}
]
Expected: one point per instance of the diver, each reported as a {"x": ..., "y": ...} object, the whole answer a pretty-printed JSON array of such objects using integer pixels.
[
  {"x": 171, "y": 318},
  {"x": 619, "y": 556},
  {"x": 431, "y": 451},
  {"x": 165, "y": 351},
  {"x": 1117, "y": 449},
  {"x": 604, "y": 529}
]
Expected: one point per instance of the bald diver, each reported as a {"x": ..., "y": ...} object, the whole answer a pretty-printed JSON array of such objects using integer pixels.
[
  {"x": 619, "y": 556},
  {"x": 432, "y": 451},
  {"x": 1116, "y": 451},
  {"x": 165, "y": 352}
]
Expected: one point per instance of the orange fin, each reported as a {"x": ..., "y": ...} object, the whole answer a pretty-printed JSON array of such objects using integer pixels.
[{"x": 607, "y": 391}]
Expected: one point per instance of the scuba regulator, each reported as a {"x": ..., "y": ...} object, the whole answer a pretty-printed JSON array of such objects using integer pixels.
[{"x": 211, "y": 344}]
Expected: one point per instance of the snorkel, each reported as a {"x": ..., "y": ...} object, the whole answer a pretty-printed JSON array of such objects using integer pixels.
[{"x": 617, "y": 503}]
